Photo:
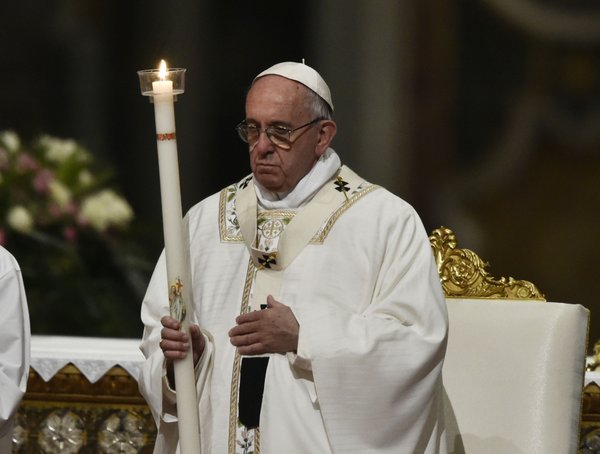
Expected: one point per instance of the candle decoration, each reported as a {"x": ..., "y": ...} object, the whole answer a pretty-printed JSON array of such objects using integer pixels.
[{"x": 162, "y": 86}]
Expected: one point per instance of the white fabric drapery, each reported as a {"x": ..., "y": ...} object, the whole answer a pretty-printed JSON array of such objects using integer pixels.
[{"x": 91, "y": 355}]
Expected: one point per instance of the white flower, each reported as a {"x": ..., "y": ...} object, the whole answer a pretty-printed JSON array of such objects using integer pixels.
[
  {"x": 20, "y": 219},
  {"x": 59, "y": 193},
  {"x": 85, "y": 178},
  {"x": 10, "y": 140},
  {"x": 105, "y": 209},
  {"x": 60, "y": 150}
]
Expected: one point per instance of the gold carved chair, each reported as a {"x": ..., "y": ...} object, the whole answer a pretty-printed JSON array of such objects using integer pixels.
[{"x": 514, "y": 368}]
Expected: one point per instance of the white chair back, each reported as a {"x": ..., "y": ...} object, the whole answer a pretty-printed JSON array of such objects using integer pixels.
[{"x": 513, "y": 376}]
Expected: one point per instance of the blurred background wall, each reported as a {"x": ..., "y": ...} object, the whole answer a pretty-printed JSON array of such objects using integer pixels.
[{"x": 483, "y": 114}]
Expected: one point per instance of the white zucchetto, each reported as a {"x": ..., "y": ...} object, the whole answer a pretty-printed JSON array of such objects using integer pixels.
[{"x": 301, "y": 73}]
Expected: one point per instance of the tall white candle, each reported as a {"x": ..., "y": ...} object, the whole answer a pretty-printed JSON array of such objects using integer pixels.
[{"x": 178, "y": 273}]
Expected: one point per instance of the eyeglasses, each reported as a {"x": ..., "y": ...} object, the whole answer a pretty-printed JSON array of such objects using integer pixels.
[{"x": 279, "y": 135}]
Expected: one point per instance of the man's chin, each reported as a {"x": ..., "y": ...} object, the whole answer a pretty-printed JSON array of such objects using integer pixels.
[{"x": 268, "y": 181}]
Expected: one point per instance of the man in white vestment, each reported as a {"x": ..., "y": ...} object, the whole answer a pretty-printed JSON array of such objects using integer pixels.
[
  {"x": 14, "y": 345},
  {"x": 318, "y": 323}
]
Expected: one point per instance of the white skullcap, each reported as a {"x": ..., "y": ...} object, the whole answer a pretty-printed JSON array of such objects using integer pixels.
[{"x": 301, "y": 73}]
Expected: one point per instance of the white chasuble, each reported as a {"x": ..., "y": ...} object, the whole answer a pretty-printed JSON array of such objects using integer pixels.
[
  {"x": 15, "y": 338},
  {"x": 356, "y": 268}
]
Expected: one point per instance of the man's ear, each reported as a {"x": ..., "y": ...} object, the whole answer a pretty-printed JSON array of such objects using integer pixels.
[{"x": 327, "y": 132}]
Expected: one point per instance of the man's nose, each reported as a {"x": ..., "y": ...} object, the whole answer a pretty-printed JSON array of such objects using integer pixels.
[{"x": 263, "y": 144}]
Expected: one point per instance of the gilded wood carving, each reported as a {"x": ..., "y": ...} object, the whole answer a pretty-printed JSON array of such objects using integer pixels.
[
  {"x": 68, "y": 414},
  {"x": 463, "y": 274}
]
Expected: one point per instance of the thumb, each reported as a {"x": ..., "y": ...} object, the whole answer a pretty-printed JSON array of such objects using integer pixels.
[
  {"x": 194, "y": 331},
  {"x": 271, "y": 302}
]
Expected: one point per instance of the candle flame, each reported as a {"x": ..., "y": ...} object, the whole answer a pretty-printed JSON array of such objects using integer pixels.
[{"x": 162, "y": 70}]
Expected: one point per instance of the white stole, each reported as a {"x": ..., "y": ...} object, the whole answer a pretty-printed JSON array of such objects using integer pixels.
[{"x": 301, "y": 229}]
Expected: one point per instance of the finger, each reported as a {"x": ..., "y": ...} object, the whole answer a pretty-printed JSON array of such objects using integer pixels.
[
  {"x": 173, "y": 344},
  {"x": 174, "y": 335},
  {"x": 248, "y": 317},
  {"x": 174, "y": 354},
  {"x": 244, "y": 328},
  {"x": 244, "y": 340},
  {"x": 174, "y": 349},
  {"x": 249, "y": 344},
  {"x": 198, "y": 342},
  {"x": 169, "y": 322},
  {"x": 253, "y": 349}
]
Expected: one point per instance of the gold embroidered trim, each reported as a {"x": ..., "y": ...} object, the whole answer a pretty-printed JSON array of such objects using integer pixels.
[
  {"x": 237, "y": 364},
  {"x": 319, "y": 237},
  {"x": 235, "y": 378},
  {"x": 257, "y": 440},
  {"x": 276, "y": 214},
  {"x": 225, "y": 237},
  {"x": 324, "y": 231}
]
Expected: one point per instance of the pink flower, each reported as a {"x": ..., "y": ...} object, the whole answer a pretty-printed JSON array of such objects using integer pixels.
[
  {"x": 41, "y": 182},
  {"x": 26, "y": 162}
]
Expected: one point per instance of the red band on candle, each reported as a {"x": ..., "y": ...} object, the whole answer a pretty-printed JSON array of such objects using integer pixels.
[{"x": 166, "y": 136}]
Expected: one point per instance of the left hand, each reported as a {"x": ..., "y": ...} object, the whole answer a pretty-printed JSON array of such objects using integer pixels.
[
  {"x": 175, "y": 343},
  {"x": 272, "y": 330}
]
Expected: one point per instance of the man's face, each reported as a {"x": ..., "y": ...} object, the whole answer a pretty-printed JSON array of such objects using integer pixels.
[{"x": 277, "y": 101}]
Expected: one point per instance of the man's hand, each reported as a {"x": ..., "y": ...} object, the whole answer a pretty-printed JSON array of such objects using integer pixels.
[
  {"x": 175, "y": 343},
  {"x": 273, "y": 330}
]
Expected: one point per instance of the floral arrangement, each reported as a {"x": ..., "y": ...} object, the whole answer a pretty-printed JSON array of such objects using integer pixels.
[
  {"x": 51, "y": 188},
  {"x": 71, "y": 235}
]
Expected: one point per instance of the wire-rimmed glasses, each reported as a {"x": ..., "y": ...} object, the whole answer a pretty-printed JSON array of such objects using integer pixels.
[{"x": 279, "y": 135}]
